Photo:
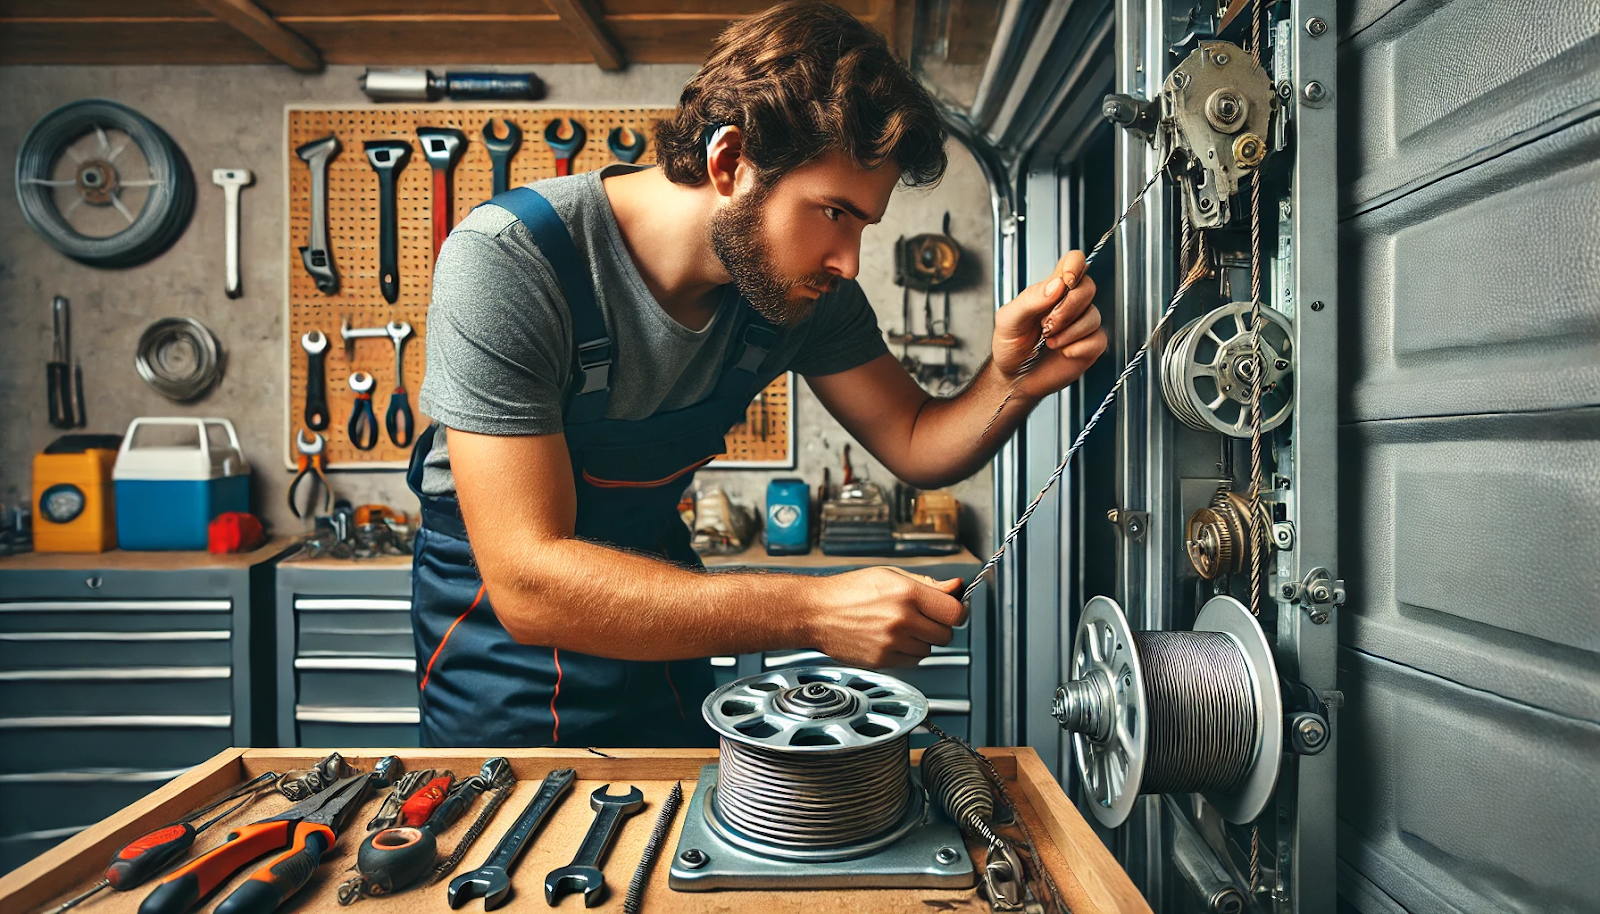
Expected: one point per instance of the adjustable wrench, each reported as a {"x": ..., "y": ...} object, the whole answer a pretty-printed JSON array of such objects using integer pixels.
[
  {"x": 442, "y": 147},
  {"x": 388, "y": 158},
  {"x": 316, "y": 255},
  {"x": 500, "y": 153},
  {"x": 492, "y": 881},
  {"x": 583, "y": 873},
  {"x": 626, "y": 152},
  {"x": 316, "y": 346},
  {"x": 564, "y": 149},
  {"x": 230, "y": 180}
]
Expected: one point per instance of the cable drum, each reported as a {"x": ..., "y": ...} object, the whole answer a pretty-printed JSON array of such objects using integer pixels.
[
  {"x": 82, "y": 191},
  {"x": 1208, "y": 369},
  {"x": 815, "y": 762},
  {"x": 1203, "y": 713},
  {"x": 1160, "y": 712},
  {"x": 180, "y": 358}
]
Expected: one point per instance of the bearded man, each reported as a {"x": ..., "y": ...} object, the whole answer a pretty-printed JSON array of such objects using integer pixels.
[{"x": 591, "y": 338}]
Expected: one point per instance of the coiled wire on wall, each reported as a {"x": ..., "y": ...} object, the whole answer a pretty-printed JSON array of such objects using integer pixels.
[
  {"x": 1202, "y": 734},
  {"x": 796, "y": 800},
  {"x": 180, "y": 358}
]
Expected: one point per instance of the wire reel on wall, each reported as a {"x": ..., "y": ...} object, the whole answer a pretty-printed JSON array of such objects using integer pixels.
[
  {"x": 1208, "y": 368},
  {"x": 1162, "y": 712}
]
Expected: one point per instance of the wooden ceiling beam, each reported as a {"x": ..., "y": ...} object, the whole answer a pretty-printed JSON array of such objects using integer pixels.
[
  {"x": 257, "y": 25},
  {"x": 581, "y": 18}
]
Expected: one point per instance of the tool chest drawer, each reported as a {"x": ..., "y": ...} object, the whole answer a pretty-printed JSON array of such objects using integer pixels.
[
  {"x": 346, "y": 662},
  {"x": 119, "y": 671}
]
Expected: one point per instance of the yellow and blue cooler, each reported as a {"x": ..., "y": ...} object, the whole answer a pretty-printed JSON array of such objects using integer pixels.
[
  {"x": 72, "y": 495},
  {"x": 172, "y": 477}
]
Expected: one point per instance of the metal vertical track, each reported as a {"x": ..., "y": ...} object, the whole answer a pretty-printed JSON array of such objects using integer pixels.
[{"x": 1305, "y": 650}]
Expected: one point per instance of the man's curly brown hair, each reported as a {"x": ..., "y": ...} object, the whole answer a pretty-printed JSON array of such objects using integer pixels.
[{"x": 801, "y": 80}]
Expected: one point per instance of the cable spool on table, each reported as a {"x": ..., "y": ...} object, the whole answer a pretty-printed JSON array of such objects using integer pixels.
[
  {"x": 815, "y": 768},
  {"x": 1173, "y": 712},
  {"x": 1208, "y": 367}
]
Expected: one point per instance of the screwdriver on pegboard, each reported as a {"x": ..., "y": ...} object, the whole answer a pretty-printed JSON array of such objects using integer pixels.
[{"x": 145, "y": 856}]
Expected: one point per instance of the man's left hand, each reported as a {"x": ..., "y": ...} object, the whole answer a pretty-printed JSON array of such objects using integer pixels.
[{"x": 1062, "y": 308}]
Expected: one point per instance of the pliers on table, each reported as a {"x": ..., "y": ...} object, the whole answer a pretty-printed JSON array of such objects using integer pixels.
[
  {"x": 312, "y": 459},
  {"x": 307, "y": 829}
]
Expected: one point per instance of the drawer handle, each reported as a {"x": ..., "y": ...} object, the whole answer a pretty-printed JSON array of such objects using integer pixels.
[{"x": 94, "y": 582}]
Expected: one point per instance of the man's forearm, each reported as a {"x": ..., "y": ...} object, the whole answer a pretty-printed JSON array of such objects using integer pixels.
[
  {"x": 948, "y": 442},
  {"x": 575, "y": 595}
]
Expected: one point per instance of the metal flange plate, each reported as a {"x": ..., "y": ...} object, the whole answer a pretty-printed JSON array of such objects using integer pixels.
[
  {"x": 1228, "y": 616},
  {"x": 1112, "y": 769}
]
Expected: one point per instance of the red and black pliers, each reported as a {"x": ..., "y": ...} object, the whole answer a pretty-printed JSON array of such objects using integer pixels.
[{"x": 307, "y": 829}]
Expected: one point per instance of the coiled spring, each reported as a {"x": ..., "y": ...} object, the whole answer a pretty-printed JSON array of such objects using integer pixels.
[
  {"x": 1202, "y": 734},
  {"x": 820, "y": 801},
  {"x": 954, "y": 781}
]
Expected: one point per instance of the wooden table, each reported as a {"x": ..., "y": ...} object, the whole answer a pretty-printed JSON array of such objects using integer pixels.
[{"x": 1089, "y": 878}]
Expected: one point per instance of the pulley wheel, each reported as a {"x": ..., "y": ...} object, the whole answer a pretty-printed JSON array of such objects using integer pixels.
[
  {"x": 1104, "y": 706},
  {"x": 1208, "y": 370},
  {"x": 103, "y": 185},
  {"x": 815, "y": 710}
]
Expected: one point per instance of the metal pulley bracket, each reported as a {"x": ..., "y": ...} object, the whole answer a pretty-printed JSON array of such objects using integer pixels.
[
  {"x": 1217, "y": 113},
  {"x": 1318, "y": 592}
]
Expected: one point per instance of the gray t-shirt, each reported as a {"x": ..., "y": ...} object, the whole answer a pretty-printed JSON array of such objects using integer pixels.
[{"x": 499, "y": 332}]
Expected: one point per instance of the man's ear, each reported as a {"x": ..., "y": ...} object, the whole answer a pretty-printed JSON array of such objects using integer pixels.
[{"x": 723, "y": 155}]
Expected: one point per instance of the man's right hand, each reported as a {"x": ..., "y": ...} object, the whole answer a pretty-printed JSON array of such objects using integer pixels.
[{"x": 884, "y": 617}]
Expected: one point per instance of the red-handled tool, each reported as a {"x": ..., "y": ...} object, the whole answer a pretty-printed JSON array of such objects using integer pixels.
[
  {"x": 307, "y": 829},
  {"x": 421, "y": 804},
  {"x": 566, "y": 148},
  {"x": 442, "y": 147}
]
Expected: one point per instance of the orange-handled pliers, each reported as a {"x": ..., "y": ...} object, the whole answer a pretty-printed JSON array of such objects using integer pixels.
[
  {"x": 312, "y": 459},
  {"x": 308, "y": 829}
]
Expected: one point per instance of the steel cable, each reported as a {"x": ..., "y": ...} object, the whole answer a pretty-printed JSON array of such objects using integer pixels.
[
  {"x": 1202, "y": 726},
  {"x": 813, "y": 801}
]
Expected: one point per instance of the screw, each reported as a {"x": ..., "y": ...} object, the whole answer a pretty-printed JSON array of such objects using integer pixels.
[
  {"x": 1205, "y": 203},
  {"x": 1312, "y": 732},
  {"x": 1315, "y": 93},
  {"x": 1316, "y": 26},
  {"x": 1321, "y": 594},
  {"x": 1112, "y": 515},
  {"x": 1281, "y": 364},
  {"x": 946, "y": 855},
  {"x": 1319, "y": 616},
  {"x": 1287, "y": 591},
  {"x": 1221, "y": 59},
  {"x": 1135, "y": 528},
  {"x": 1316, "y": 306},
  {"x": 693, "y": 858}
]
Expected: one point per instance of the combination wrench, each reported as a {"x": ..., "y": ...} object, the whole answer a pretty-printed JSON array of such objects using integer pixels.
[
  {"x": 565, "y": 149},
  {"x": 315, "y": 343},
  {"x": 230, "y": 180},
  {"x": 316, "y": 255},
  {"x": 500, "y": 153},
  {"x": 583, "y": 873},
  {"x": 492, "y": 881},
  {"x": 442, "y": 147},
  {"x": 398, "y": 421},
  {"x": 388, "y": 158}
]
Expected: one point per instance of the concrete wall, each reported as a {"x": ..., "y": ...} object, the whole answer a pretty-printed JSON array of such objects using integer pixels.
[{"x": 233, "y": 116}]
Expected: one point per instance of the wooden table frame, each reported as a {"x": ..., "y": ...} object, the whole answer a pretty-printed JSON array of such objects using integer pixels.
[{"x": 1088, "y": 876}]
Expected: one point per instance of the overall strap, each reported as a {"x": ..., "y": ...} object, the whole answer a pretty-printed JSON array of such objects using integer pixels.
[
  {"x": 591, "y": 376},
  {"x": 739, "y": 376}
]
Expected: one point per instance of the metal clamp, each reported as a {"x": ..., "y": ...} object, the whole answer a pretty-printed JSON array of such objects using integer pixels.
[{"x": 1317, "y": 592}]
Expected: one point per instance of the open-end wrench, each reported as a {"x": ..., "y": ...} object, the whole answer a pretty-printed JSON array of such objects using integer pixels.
[
  {"x": 625, "y": 152},
  {"x": 442, "y": 147},
  {"x": 399, "y": 421},
  {"x": 388, "y": 158},
  {"x": 492, "y": 881},
  {"x": 315, "y": 343},
  {"x": 230, "y": 180},
  {"x": 583, "y": 873},
  {"x": 350, "y": 334},
  {"x": 566, "y": 149},
  {"x": 501, "y": 151},
  {"x": 316, "y": 255}
]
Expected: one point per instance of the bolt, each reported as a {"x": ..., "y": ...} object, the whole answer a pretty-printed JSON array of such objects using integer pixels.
[
  {"x": 947, "y": 855},
  {"x": 1220, "y": 58},
  {"x": 1285, "y": 90},
  {"x": 1312, "y": 732},
  {"x": 693, "y": 858},
  {"x": 1112, "y": 515},
  {"x": 1316, "y": 306},
  {"x": 1287, "y": 591},
  {"x": 1321, "y": 594},
  {"x": 1281, "y": 364},
  {"x": 1319, "y": 616},
  {"x": 1135, "y": 528},
  {"x": 1205, "y": 203},
  {"x": 1316, "y": 26},
  {"x": 1315, "y": 93}
]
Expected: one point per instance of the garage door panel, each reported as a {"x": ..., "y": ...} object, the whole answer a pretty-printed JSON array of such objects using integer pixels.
[{"x": 1466, "y": 792}]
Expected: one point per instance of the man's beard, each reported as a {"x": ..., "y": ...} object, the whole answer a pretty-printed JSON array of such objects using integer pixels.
[{"x": 736, "y": 236}]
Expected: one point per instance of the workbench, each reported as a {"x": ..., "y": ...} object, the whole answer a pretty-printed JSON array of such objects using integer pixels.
[
  {"x": 347, "y": 667},
  {"x": 118, "y": 670},
  {"x": 1087, "y": 875}
]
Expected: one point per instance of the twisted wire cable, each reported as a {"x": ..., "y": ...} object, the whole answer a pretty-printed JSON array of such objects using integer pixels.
[
  {"x": 1256, "y": 534},
  {"x": 796, "y": 800}
]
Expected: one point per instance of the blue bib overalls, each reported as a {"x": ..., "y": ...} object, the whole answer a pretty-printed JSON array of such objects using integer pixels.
[{"x": 481, "y": 688}]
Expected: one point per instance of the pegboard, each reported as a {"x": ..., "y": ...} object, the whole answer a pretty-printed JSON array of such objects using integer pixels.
[
  {"x": 764, "y": 442},
  {"x": 353, "y": 214}
]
